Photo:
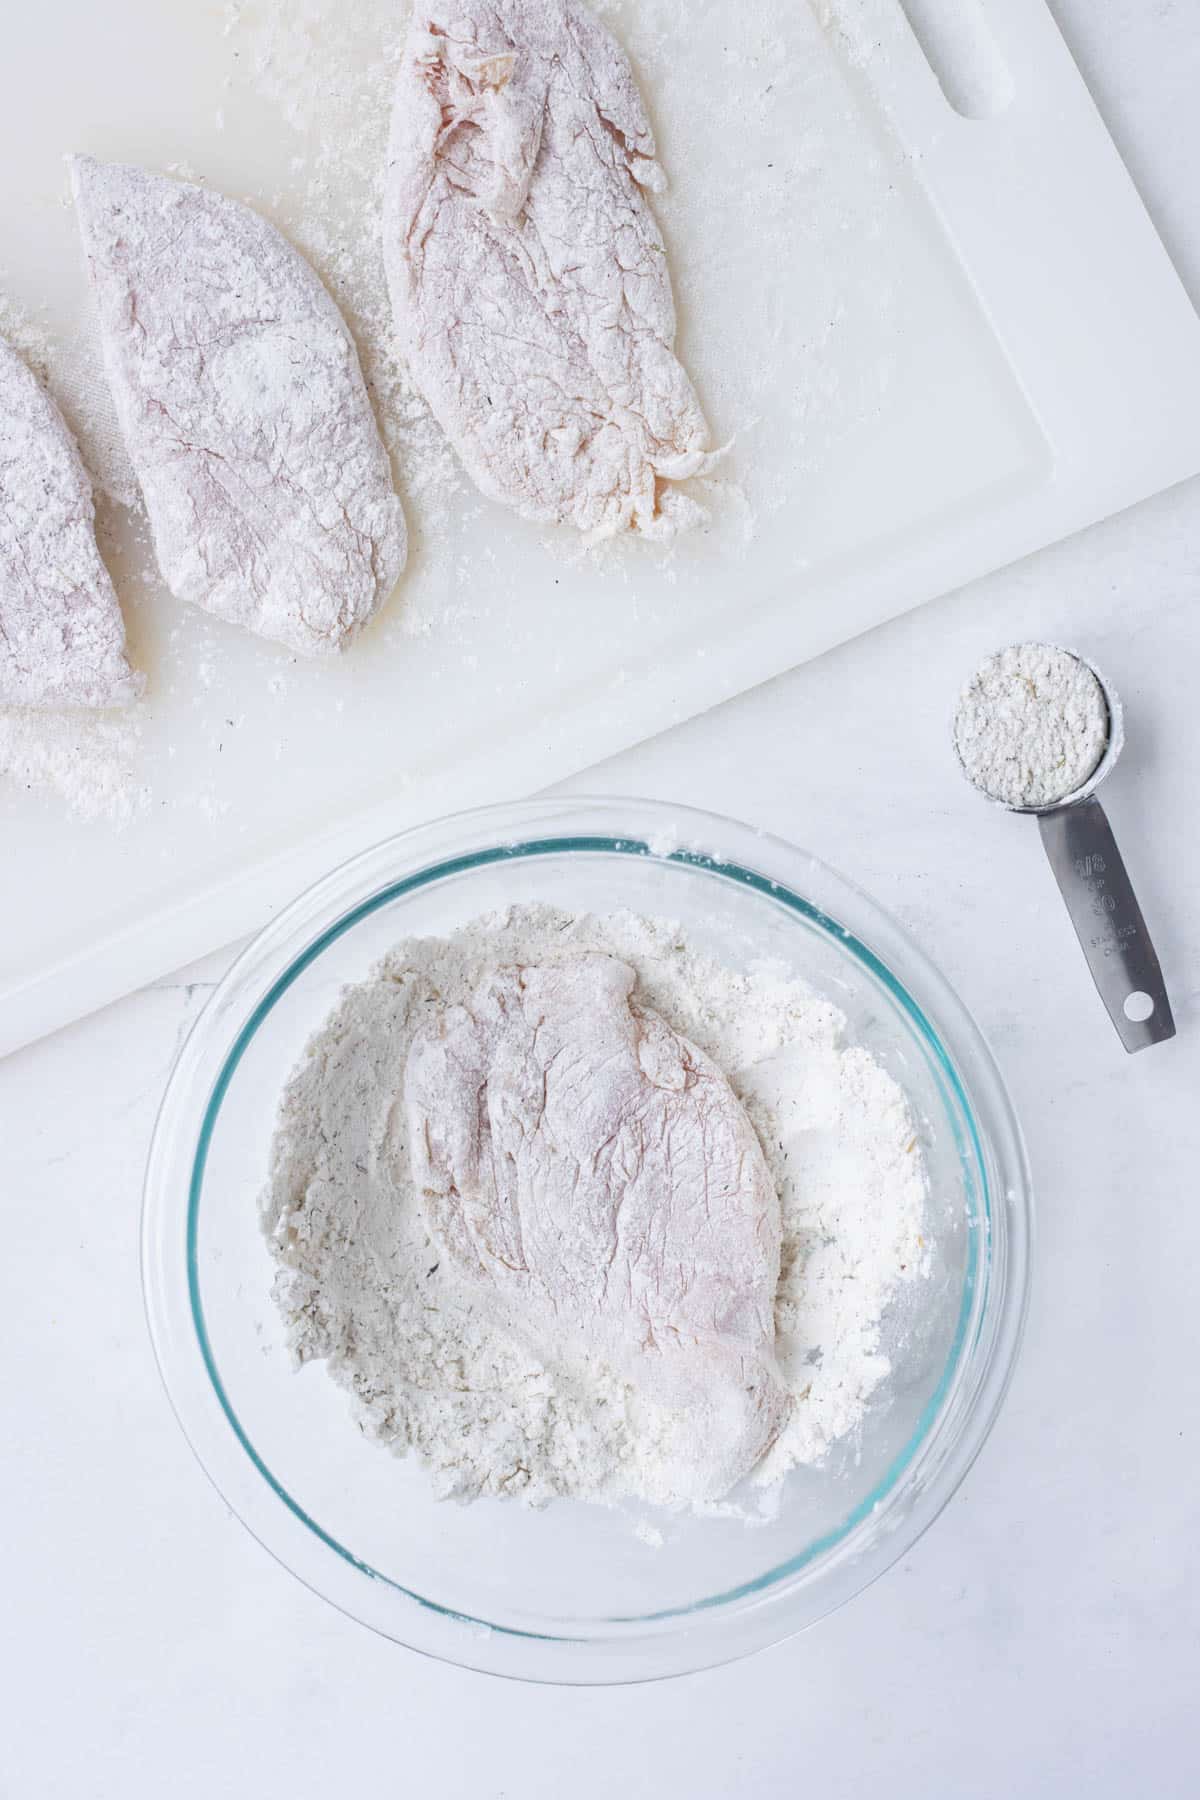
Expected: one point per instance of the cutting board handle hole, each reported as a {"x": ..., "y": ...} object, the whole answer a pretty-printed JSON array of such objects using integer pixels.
[{"x": 957, "y": 43}]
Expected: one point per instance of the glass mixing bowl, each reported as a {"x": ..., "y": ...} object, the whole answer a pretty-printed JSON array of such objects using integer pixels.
[{"x": 572, "y": 1593}]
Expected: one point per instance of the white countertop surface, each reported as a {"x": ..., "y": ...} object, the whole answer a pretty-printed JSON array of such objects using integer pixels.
[{"x": 1044, "y": 1638}]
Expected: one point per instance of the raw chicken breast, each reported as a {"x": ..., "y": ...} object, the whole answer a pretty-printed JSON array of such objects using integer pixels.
[
  {"x": 594, "y": 1175},
  {"x": 62, "y": 638},
  {"x": 243, "y": 409},
  {"x": 528, "y": 276}
]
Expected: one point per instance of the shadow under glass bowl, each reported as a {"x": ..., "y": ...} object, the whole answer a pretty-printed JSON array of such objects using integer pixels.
[{"x": 572, "y": 1593}]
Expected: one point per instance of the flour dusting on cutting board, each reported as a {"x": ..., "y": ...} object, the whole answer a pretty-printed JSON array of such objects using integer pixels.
[
  {"x": 87, "y": 762},
  {"x": 814, "y": 294},
  {"x": 296, "y": 123},
  {"x": 332, "y": 87}
]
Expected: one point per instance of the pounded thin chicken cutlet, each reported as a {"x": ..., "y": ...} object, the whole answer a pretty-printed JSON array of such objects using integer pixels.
[
  {"x": 243, "y": 408},
  {"x": 528, "y": 275},
  {"x": 593, "y": 1172},
  {"x": 62, "y": 638}
]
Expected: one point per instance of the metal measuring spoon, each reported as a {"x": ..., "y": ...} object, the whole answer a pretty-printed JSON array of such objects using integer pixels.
[{"x": 1099, "y": 895}]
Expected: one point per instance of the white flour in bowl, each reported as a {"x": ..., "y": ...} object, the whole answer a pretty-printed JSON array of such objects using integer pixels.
[{"x": 364, "y": 1284}]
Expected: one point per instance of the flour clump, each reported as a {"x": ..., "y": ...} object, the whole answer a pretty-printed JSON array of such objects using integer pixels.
[
  {"x": 422, "y": 1296},
  {"x": 528, "y": 275}
]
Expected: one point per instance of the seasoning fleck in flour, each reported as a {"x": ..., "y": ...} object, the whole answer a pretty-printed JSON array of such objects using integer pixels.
[{"x": 366, "y": 1285}]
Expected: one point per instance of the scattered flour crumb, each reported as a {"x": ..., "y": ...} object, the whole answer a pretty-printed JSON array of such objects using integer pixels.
[
  {"x": 664, "y": 841},
  {"x": 88, "y": 762}
]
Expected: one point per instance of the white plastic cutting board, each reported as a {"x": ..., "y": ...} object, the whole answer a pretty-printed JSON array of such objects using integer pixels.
[{"x": 937, "y": 343}]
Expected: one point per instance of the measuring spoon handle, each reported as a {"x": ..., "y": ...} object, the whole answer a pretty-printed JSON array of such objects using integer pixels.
[{"x": 1108, "y": 921}]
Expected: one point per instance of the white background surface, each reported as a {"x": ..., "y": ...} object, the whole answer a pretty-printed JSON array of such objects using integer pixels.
[{"x": 1043, "y": 1639}]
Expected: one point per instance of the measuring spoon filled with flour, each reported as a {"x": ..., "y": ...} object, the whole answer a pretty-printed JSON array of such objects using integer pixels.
[{"x": 1037, "y": 729}]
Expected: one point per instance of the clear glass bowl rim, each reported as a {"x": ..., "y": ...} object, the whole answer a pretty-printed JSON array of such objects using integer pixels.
[{"x": 953, "y": 1426}]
